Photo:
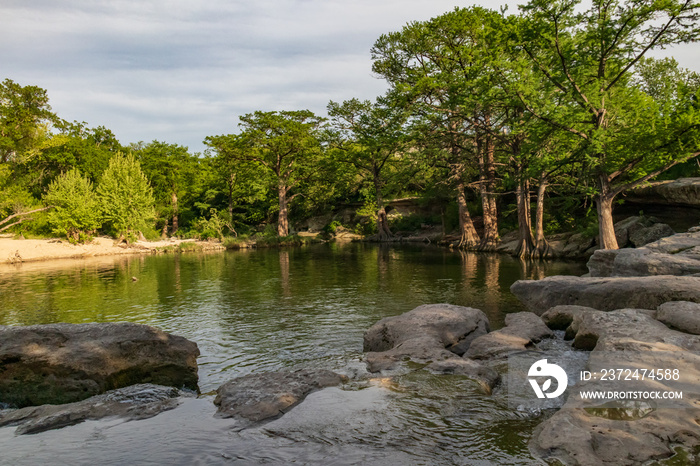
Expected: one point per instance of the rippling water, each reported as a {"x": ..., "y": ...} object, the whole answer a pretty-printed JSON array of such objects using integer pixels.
[{"x": 254, "y": 311}]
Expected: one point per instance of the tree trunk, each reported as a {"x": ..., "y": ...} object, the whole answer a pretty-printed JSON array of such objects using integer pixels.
[
  {"x": 230, "y": 197},
  {"x": 173, "y": 201},
  {"x": 469, "y": 238},
  {"x": 383, "y": 231},
  {"x": 526, "y": 243},
  {"x": 541, "y": 243},
  {"x": 606, "y": 227},
  {"x": 487, "y": 185},
  {"x": 282, "y": 221}
]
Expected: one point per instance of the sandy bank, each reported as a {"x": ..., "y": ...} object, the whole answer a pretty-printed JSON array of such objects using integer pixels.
[{"x": 29, "y": 250}]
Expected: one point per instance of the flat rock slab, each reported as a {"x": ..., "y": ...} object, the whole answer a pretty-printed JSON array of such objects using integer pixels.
[
  {"x": 131, "y": 403},
  {"x": 428, "y": 333},
  {"x": 64, "y": 363},
  {"x": 258, "y": 397},
  {"x": 522, "y": 330},
  {"x": 682, "y": 315},
  {"x": 593, "y": 437},
  {"x": 605, "y": 294}
]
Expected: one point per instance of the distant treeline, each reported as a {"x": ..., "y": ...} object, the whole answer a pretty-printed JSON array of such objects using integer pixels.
[{"x": 535, "y": 121}]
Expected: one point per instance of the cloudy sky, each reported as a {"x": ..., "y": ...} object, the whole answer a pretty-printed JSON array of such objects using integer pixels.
[{"x": 181, "y": 70}]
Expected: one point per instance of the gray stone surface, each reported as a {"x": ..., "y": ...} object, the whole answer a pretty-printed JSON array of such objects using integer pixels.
[
  {"x": 589, "y": 437},
  {"x": 607, "y": 293},
  {"x": 561, "y": 317},
  {"x": 682, "y": 192},
  {"x": 641, "y": 262},
  {"x": 258, "y": 397},
  {"x": 682, "y": 315},
  {"x": 522, "y": 330},
  {"x": 485, "y": 375},
  {"x": 428, "y": 333},
  {"x": 63, "y": 363},
  {"x": 131, "y": 403},
  {"x": 655, "y": 232},
  {"x": 678, "y": 254}
]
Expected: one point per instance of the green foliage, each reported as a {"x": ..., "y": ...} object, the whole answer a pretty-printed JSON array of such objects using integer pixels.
[
  {"x": 213, "y": 227},
  {"x": 76, "y": 210},
  {"x": 126, "y": 198},
  {"x": 412, "y": 222},
  {"x": 24, "y": 117}
]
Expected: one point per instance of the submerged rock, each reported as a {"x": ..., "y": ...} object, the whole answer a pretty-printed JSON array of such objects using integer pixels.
[
  {"x": 605, "y": 294},
  {"x": 64, "y": 363},
  {"x": 257, "y": 397},
  {"x": 522, "y": 330},
  {"x": 140, "y": 401},
  {"x": 486, "y": 376}
]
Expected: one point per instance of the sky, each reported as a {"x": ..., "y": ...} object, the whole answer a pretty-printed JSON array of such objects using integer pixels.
[{"x": 180, "y": 70}]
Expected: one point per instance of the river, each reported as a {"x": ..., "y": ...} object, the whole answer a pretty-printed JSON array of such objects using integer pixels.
[{"x": 259, "y": 310}]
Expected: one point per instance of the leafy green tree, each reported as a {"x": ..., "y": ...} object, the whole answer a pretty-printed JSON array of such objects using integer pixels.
[
  {"x": 283, "y": 146},
  {"x": 589, "y": 56},
  {"x": 75, "y": 209},
  {"x": 25, "y": 119},
  {"x": 171, "y": 170},
  {"x": 75, "y": 146},
  {"x": 25, "y": 114},
  {"x": 444, "y": 67},
  {"x": 370, "y": 137},
  {"x": 126, "y": 198}
]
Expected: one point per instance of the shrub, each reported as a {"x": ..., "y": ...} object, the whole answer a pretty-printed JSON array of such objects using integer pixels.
[
  {"x": 126, "y": 198},
  {"x": 76, "y": 210}
]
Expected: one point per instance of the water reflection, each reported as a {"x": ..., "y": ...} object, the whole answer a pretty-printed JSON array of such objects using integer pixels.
[{"x": 253, "y": 311}]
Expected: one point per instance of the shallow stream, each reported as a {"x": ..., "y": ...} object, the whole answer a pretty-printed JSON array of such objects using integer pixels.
[{"x": 261, "y": 310}]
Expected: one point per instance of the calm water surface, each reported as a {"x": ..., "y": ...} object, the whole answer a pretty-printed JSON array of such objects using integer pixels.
[{"x": 255, "y": 311}]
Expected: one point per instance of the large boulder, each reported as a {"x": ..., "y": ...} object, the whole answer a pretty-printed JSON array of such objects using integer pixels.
[
  {"x": 680, "y": 192},
  {"x": 522, "y": 330},
  {"x": 427, "y": 333},
  {"x": 603, "y": 435},
  {"x": 64, "y": 363},
  {"x": 646, "y": 235},
  {"x": 136, "y": 402},
  {"x": 605, "y": 294},
  {"x": 561, "y": 317},
  {"x": 640, "y": 263},
  {"x": 673, "y": 255},
  {"x": 680, "y": 315},
  {"x": 258, "y": 397}
]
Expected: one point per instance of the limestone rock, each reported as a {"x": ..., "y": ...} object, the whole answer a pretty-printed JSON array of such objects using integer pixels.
[
  {"x": 682, "y": 192},
  {"x": 561, "y": 317},
  {"x": 589, "y": 437},
  {"x": 486, "y": 376},
  {"x": 427, "y": 333},
  {"x": 682, "y": 315},
  {"x": 257, "y": 397},
  {"x": 522, "y": 330},
  {"x": 140, "y": 401},
  {"x": 605, "y": 294},
  {"x": 64, "y": 363},
  {"x": 647, "y": 235}
]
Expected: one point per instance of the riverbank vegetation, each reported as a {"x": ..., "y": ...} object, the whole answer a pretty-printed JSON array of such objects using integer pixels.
[{"x": 534, "y": 121}]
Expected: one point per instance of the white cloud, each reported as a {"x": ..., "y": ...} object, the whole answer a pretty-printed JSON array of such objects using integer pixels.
[{"x": 180, "y": 70}]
